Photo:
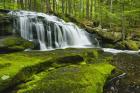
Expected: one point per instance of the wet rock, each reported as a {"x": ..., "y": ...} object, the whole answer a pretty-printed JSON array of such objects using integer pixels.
[
  {"x": 36, "y": 71},
  {"x": 127, "y": 44},
  {"x": 128, "y": 63},
  {"x": 71, "y": 79},
  {"x": 5, "y": 25},
  {"x": 13, "y": 43},
  {"x": 112, "y": 85},
  {"x": 70, "y": 59},
  {"x": 4, "y": 11},
  {"x": 133, "y": 88}
]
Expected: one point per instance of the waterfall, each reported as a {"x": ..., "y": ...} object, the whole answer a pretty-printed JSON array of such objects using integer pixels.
[{"x": 50, "y": 32}]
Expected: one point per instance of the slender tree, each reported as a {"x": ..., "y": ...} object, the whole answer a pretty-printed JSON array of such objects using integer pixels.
[
  {"x": 62, "y": 8},
  {"x": 91, "y": 8},
  {"x": 54, "y": 5},
  {"x": 87, "y": 8},
  {"x": 4, "y": 4},
  {"x": 48, "y": 6},
  {"x": 123, "y": 20},
  {"x": 111, "y": 11}
]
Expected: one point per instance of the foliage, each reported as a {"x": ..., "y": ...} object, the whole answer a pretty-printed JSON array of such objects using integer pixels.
[{"x": 109, "y": 13}]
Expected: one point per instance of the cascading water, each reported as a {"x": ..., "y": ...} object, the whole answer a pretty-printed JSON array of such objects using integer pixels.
[{"x": 50, "y": 32}]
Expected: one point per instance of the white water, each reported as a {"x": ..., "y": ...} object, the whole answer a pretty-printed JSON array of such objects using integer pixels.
[
  {"x": 115, "y": 51},
  {"x": 50, "y": 32}
]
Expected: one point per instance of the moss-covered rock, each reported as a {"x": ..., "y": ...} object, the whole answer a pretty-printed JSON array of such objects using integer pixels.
[
  {"x": 5, "y": 25},
  {"x": 127, "y": 44},
  {"x": 109, "y": 37},
  {"x": 96, "y": 56},
  {"x": 120, "y": 45},
  {"x": 132, "y": 45},
  {"x": 108, "y": 45},
  {"x": 72, "y": 59},
  {"x": 14, "y": 43},
  {"x": 11, "y": 65},
  {"x": 70, "y": 79},
  {"x": 138, "y": 43},
  {"x": 56, "y": 71}
]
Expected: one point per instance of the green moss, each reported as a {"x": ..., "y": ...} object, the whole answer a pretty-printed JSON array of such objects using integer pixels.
[
  {"x": 16, "y": 43},
  {"x": 12, "y": 64},
  {"x": 21, "y": 66},
  {"x": 107, "y": 36},
  {"x": 120, "y": 45},
  {"x": 108, "y": 45},
  {"x": 70, "y": 79},
  {"x": 96, "y": 56},
  {"x": 132, "y": 45},
  {"x": 30, "y": 67},
  {"x": 127, "y": 44}
]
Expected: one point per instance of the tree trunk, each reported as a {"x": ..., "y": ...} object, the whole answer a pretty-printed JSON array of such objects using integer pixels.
[
  {"x": 63, "y": 11},
  {"x": 91, "y": 8},
  {"x": 123, "y": 22},
  {"x": 48, "y": 6},
  {"x": 111, "y": 8},
  {"x": 87, "y": 8},
  {"x": 54, "y": 5}
]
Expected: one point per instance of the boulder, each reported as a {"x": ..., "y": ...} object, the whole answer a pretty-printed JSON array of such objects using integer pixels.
[
  {"x": 5, "y": 24},
  {"x": 58, "y": 71},
  {"x": 13, "y": 43},
  {"x": 70, "y": 79},
  {"x": 127, "y": 44}
]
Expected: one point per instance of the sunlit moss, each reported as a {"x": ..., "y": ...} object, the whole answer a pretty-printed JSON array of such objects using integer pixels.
[
  {"x": 70, "y": 79},
  {"x": 62, "y": 72},
  {"x": 16, "y": 61}
]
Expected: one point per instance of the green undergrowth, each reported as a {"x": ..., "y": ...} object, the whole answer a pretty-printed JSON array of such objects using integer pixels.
[{"x": 59, "y": 68}]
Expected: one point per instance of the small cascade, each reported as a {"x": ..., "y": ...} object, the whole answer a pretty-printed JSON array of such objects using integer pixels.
[{"x": 49, "y": 32}]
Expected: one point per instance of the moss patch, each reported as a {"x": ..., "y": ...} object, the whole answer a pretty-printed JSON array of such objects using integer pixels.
[
  {"x": 127, "y": 44},
  {"x": 15, "y": 43},
  {"x": 33, "y": 68},
  {"x": 16, "y": 61},
  {"x": 70, "y": 79}
]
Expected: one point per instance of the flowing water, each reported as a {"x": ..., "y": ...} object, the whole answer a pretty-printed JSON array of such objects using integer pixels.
[{"x": 50, "y": 32}]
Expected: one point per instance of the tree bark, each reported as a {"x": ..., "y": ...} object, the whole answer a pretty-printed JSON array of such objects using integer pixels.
[{"x": 48, "y": 6}]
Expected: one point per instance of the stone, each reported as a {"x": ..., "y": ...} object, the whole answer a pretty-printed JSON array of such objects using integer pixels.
[{"x": 14, "y": 43}]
